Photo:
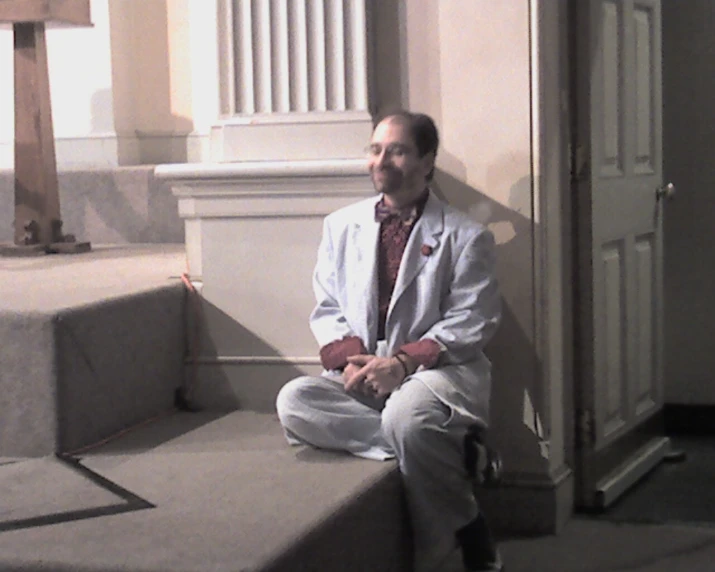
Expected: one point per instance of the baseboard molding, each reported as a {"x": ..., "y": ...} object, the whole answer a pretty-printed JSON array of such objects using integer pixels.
[
  {"x": 256, "y": 360},
  {"x": 291, "y": 136},
  {"x": 624, "y": 477},
  {"x": 113, "y": 150},
  {"x": 682, "y": 419},
  {"x": 97, "y": 150},
  {"x": 529, "y": 505}
]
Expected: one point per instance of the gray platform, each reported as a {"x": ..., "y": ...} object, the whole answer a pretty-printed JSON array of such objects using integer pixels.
[
  {"x": 227, "y": 494},
  {"x": 89, "y": 344}
]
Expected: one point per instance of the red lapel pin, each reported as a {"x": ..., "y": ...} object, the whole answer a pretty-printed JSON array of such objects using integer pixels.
[{"x": 426, "y": 250}]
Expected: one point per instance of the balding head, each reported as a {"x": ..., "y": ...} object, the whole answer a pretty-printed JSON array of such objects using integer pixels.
[{"x": 422, "y": 130}]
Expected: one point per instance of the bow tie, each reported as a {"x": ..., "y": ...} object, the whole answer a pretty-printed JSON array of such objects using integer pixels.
[{"x": 383, "y": 212}]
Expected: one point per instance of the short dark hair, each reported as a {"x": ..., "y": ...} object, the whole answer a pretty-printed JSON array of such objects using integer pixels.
[{"x": 423, "y": 130}]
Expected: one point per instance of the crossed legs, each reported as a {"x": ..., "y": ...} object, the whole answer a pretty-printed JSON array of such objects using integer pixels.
[{"x": 415, "y": 427}]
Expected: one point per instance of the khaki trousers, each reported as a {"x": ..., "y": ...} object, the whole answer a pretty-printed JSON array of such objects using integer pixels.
[{"x": 415, "y": 427}]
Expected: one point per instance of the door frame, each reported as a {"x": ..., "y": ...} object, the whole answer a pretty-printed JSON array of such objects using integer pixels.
[{"x": 553, "y": 241}]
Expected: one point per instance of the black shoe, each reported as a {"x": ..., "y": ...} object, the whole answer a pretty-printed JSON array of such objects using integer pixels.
[
  {"x": 483, "y": 464},
  {"x": 479, "y": 551}
]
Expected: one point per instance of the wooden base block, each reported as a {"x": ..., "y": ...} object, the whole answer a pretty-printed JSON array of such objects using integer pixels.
[
  {"x": 69, "y": 248},
  {"x": 72, "y": 12},
  {"x": 21, "y": 250}
]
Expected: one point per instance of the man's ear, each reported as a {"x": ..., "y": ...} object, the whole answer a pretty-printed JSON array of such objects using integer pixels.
[{"x": 428, "y": 161}]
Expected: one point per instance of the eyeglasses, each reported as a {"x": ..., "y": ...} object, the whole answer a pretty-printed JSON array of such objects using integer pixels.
[{"x": 393, "y": 150}]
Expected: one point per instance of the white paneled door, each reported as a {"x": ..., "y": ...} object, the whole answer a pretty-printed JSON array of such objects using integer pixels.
[{"x": 619, "y": 198}]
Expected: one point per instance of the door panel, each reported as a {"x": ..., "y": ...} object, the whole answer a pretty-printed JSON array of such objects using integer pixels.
[{"x": 619, "y": 234}]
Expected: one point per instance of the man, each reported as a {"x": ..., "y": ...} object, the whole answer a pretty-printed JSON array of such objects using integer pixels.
[{"x": 406, "y": 301}]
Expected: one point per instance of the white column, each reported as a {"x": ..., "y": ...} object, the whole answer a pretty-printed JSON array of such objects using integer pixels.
[{"x": 294, "y": 77}]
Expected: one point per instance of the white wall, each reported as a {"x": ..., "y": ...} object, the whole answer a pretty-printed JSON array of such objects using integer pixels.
[
  {"x": 138, "y": 87},
  {"x": 7, "y": 127},
  {"x": 81, "y": 91},
  {"x": 689, "y": 144},
  {"x": 166, "y": 83}
]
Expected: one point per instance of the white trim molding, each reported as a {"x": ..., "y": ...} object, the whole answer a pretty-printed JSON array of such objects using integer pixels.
[
  {"x": 117, "y": 150},
  {"x": 266, "y": 188},
  {"x": 296, "y": 136}
]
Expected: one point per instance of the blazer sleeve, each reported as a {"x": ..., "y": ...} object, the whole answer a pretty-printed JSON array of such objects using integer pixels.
[
  {"x": 327, "y": 321},
  {"x": 471, "y": 310}
]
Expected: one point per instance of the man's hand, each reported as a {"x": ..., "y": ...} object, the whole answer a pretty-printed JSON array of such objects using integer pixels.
[
  {"x": 349, "y": 371},
  {"x": 377, "y": 376}
]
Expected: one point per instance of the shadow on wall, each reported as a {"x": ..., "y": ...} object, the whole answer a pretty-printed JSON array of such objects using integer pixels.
[
  {"x": 105, "y": 204},
  {"x": 109, "y": 206},
  {"x": 7, "y": 205},
  {"x": 225, "y": 381},
  {"x": 518, "y": 403},
  {"x": 119, "y": 206}
]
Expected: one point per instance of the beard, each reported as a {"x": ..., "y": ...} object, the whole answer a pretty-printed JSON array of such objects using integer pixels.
[{"x": 387, "y": 180}]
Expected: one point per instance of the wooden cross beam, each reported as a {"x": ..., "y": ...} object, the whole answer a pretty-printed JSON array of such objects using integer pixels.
[{"x": 37, "y": 225}]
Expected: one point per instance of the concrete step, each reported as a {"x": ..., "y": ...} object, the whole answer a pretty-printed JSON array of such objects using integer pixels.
[
  {"x": 121, "y": 205},
  {"x": 89, "y": 344}
]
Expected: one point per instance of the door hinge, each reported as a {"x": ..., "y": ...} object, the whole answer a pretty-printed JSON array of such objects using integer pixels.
[
  {"x": 586, "y": 428},
  {"x": 580, "y": 164}
]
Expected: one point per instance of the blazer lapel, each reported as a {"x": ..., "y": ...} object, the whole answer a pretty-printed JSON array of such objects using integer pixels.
[
  {"x": 426, "y": 234},
  {"x": 365, "y": 237}
]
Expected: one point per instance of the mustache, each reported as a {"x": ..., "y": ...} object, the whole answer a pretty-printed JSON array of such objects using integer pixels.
[{"x": 385, "y": 169}]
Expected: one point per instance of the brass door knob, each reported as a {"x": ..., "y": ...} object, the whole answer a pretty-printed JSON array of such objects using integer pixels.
[{"x": 666, "y": 192}]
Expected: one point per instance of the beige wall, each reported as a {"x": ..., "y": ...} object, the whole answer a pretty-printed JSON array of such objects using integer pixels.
[
  {"x": 467, "y": 63},
  {"x": 165, "y": 78},
  {"x": 689, "y": 144},
  {"x": 138, "y": 87}
]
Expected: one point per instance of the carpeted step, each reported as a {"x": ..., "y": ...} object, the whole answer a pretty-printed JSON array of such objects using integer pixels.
[
  {"x": 89, "y": 344},
  {"x": 225, "y": 494}
]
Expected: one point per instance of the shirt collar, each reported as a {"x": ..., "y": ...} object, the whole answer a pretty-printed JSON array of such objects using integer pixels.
[{"x": 407, "y": 214}]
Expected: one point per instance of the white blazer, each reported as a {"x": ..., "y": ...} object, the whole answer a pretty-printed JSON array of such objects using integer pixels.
[{"x": 445, "y": 291}]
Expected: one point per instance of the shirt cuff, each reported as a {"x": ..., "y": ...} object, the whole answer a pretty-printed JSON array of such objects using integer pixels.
[
  {"x": 424, "y": 352},
  {"x": 335, "y": 355}
]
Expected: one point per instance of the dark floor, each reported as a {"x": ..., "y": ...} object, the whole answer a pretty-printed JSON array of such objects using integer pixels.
[
  {"x": 674, "y": 492},
  {"x": 665, "y": 523}
]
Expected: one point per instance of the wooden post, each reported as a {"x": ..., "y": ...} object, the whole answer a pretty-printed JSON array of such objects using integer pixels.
[{"x": 37, "y": 225}]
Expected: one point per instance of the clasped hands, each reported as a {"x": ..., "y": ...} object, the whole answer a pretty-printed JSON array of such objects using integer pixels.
[{"x": 376, "y": 376}]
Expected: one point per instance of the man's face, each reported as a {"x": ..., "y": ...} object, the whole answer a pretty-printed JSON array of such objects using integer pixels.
[{"x": 394, "y": 163}]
